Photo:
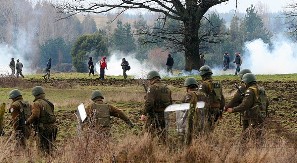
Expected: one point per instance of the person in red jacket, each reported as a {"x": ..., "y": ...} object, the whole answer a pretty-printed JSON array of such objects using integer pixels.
[{"x": 103, "y": 66}]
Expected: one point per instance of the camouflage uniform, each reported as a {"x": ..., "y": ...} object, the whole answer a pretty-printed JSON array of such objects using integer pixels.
[
  {"x": 22, "y": 131},
  {"x": 43, "y": 119},
  {"x": 216, "y": 99},
  {"x": 236, "y": 100},
  {"x": 158, "y": 97},
  {"x": 99, "y": 116},
  {"x": 250, "y": 107},
  {"x": 238, "y": 97}
]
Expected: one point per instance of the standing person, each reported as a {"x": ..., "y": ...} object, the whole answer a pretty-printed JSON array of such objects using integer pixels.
[
  {"x": 91, "y": 66},
  {"x": 202, "y": 60},
  {"x": 214, "y": 92},
  {"x": 238, "y": 62},
  {"x": 44, "y": 120},
  {"x": 19, "y": 68},
  {"x": 169, "y": 64},
  {"x": 187, "y": 122},
  {"x": 99, "y": 114},
  {"x": 103, "y": 66},
  {"x": 226, "y": 61},
  {"x": 20, "y": 110},
  {"x": 12, "y": 66},
  {"x": 157, "y": 98},
  {"x": 251, "y": 107},
  {"x": 125, "y": 67},
  {"x": 48, "y": 69}
]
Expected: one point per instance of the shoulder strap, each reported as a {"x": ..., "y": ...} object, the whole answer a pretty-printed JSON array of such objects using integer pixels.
[{"x": 50, "y": 104}]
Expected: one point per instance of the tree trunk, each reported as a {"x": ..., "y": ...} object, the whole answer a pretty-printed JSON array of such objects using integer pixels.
[{"x": 191, "y": 42}]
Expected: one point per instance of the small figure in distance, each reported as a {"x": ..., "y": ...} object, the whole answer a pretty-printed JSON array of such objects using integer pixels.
[
  {"x": 12, "y": 66},
  {"x": 125, "y": 66},
  {"x": 169, "y": 64},
  {"x": 103, "y": 66},
  {"x": 91, "y": 66},
  {"x": 19, "y": 67}
]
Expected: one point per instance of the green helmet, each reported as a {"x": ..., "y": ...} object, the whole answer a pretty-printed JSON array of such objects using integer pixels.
[
  {"x": 14, "y": 94},
  {"x": 96, "y": 94},
  {"x": 190, "y": 81},
  {"x": 205, "y": 70},
  {"x": 244, "y": 71},
  {"x": 248, "y": 78},
  {"x": 37, "y": 90},
  {"x": 153, "y": 74}
]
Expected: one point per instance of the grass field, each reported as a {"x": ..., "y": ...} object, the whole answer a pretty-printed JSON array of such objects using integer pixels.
[{"x": 68, "y": 90}]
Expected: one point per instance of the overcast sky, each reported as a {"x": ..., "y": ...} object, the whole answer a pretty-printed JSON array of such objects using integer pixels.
[{"x": 242, "y": 5}]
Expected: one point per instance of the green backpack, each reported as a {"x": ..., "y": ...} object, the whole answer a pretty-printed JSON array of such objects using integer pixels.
[{"x": 262, "y": 99}]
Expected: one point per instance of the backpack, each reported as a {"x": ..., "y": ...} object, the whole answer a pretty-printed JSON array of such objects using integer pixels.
[
  {"x": 262, "y": 100},
  {"x": 47, "y": 115},
  {"x": 128, "y": 67},
  {"x": 215, "y": 88}
]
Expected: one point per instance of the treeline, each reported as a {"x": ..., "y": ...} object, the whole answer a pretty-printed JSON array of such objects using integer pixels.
[{"x": 69, "y": 42}]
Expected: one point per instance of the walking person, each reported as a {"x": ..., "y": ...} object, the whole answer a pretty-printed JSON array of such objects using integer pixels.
[
  {"x": 169, "y": 64},
  {"x": 103, "y": 66},
  {"x": 20, "y": 110},
  {"x": 125, "y": 66},
  {"x": 238, "y": 62},
  {"x": 44, "y": 121},
  {"x": 214, "y": 92},
  {"x": 12, "y": 66},
  {"x": 226, "y": 61},
  {"x": 157, "y": 98},
  {"x": 91, "y": 66},
  {"x": 19, "y": 68},
  {"x": 48, "y": 69}
]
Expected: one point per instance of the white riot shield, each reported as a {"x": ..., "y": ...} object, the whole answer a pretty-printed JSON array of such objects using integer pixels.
[
  {"x": 81, "y": 115},
  {"x": 182, "y": 114}
]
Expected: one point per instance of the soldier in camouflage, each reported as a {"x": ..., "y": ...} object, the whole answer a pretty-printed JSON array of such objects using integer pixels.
[
  {"x": 183, "y": 116},
  {"x": 157, "y": 98},
  {"x": 250, "y": 106},
  {"x": 17, "y": 111},
  {"x": 43, "y": 119},
  {"x": 214, "y": 93},
  {"x": 238, "y": 97},
  {"x": 99, "y": 113}
]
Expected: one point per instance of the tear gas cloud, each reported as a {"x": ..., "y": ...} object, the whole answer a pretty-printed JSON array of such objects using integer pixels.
[
  {"x": 6, "y": 53},
  {"x": 138, "y": 69},
  {"x": 281, "y": 59},
  {"x": 257, "y": 56}
]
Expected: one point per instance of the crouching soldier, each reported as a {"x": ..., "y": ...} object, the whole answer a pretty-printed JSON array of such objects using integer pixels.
[
  {"x": 43, "y": 120},
  {"x": 99, "y": 113},
  {"x": 20, "y": 110}
]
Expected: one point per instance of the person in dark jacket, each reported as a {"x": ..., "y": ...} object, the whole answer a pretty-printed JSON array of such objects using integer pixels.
[
  {"x": 48, "y": 69},
  {"x": 91, "y": 66},
  {"x": 169, "y": 64},
  {"x": 202, "y": 60},
  {"x": 238, "y": 62},
  {"x": 125, "y": 67},
  {"x": 226, "y": 61}
]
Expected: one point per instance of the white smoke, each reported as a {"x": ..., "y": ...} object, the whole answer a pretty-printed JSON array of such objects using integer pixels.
[
  {"x": 138, "y": 69},
  {"x": 6, "y": 53},
  {"x": 281, "y": 59}
]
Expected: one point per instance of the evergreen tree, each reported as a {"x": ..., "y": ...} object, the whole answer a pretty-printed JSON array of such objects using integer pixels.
[{"x": 88, "y": 46}]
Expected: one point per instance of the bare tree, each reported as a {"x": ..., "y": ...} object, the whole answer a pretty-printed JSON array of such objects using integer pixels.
[{"x": 190, "y": 12}]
